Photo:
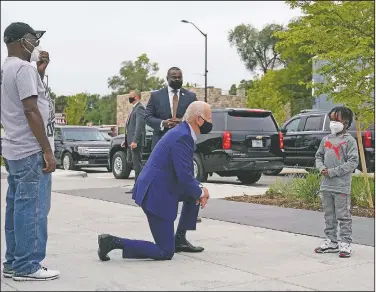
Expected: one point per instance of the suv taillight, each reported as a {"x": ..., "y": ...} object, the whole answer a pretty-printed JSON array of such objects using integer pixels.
[
  {"x": 367, "y": 139},
  {"x": 281, "y": 146},
  {"x": 226, "y": 140}
]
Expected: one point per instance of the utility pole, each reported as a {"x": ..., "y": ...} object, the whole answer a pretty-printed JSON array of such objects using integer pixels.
[{"x": 206, "y": 57}]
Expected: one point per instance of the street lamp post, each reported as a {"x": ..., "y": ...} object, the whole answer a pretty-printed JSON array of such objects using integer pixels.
[{"x": 206, "y": 57}]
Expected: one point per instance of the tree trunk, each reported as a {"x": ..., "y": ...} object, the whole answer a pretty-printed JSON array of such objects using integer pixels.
[{"x": 363, "y": 163}]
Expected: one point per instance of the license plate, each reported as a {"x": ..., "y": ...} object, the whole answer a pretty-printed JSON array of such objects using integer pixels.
[{"x": 257, "y": 143}]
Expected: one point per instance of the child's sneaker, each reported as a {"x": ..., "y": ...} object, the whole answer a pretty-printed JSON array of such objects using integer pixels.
[
  {"x": 43, "y": 274},
  {"x": 344, "y": 250},
  {"x": 327, "y": 247},
  {"x": 7, "y": 272}
]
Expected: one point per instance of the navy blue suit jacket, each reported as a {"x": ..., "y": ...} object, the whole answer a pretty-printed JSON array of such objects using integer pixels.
[
  {"x": 159, "y": 109},
  {"x": 167, "y": 177}
]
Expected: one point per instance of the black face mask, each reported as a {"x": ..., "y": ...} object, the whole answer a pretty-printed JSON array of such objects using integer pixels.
[
  {"x": 175, "y": 84},
  {"x": 206, "y": 127},
  {"x": 131, "y": 99}
]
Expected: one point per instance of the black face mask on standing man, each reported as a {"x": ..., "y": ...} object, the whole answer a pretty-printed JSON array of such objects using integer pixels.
[
  {"x": 131, "y": 99},
  {"x": 175, "y": 84}
]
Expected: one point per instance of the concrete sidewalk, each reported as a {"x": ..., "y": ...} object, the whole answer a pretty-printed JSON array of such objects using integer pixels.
[{"x": 236, "y": 257}]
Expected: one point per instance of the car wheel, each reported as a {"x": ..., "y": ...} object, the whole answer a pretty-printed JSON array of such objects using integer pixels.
[
  {"x": 68, "y": 162},
  {"x": 120, "y": 168},
  {"x": 249, "y": 177},
  {"x": 273, "y": 172},
  {"x": 198, "y": 169}
]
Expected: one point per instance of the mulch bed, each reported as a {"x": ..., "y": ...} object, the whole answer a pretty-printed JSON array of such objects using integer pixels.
[{"x": 284, "y": 202}]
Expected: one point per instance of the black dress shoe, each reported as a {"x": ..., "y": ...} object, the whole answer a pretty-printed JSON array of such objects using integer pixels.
[
  {"x": 129, "y": 191},
  {"x": 106, "y": 244},
  {"x": 183, "y": 245}
]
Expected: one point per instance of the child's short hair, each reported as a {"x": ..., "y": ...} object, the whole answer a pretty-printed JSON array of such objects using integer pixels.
[{"x": 346, "y": 114}]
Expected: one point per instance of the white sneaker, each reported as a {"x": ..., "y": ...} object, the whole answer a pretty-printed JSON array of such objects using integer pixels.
[
  {"x": 43, "y": 274},
  {"x": 344, "y": 250},
  {"x": 327, "y": 247}
]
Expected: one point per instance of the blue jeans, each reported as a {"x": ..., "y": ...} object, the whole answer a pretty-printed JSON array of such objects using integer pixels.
[{"x": 28, "y": 204}]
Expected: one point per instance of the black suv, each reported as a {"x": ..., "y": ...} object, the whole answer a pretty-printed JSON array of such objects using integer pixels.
[
  {"x": 304, "y": 132},
  {"x": 243, "y": 143},
  {"x": 80, "y": 146}
]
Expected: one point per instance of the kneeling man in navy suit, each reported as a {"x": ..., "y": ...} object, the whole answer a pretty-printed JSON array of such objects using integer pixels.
[{"x": 167, "y": 179}]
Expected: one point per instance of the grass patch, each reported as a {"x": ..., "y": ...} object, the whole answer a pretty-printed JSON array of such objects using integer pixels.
[
  {"x": 2, "y": 161},
  {"x": 302, "y": 192}
]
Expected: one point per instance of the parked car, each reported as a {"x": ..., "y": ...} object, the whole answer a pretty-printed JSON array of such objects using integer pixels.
[
  {"x": 243, "y": 143},
  {"x": 304, "y": 132},
  {"x": 80, "y": 146}
]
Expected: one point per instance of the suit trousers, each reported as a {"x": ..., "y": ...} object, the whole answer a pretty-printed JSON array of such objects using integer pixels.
[
  {"x": 136, "y": 158},
  {"x": 163, "y": 234}
]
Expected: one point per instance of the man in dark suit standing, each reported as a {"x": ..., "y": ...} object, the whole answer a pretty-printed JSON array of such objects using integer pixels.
[
  {"x": 167, "y": 106},
  {"x": 135, "y": 132}
]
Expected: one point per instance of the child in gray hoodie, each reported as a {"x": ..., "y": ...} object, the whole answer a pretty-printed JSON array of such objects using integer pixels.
[{"x": 336, "y": 159}]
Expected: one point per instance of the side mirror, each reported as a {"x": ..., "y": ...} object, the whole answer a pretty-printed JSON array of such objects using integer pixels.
[{"x": 283, "y": 131}]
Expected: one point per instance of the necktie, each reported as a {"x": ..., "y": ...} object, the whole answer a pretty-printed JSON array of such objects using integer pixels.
[
  {"x": 129, "y": 115},
  {"x": 175, "y": 101}
]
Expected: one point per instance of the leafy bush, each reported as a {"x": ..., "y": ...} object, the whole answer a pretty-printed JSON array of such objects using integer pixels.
[
  {"x": 306, "y": 189},
  {"x": 359, "y": 195}
]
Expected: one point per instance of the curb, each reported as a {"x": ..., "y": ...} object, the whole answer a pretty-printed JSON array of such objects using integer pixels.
[{"x": 58, "y": 172}]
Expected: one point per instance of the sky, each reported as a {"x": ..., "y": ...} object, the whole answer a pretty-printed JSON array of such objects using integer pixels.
[{"x": 87, "y": 41}]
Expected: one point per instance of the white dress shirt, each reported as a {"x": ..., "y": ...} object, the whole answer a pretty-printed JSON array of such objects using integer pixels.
[{"x": 171, "y": 94}]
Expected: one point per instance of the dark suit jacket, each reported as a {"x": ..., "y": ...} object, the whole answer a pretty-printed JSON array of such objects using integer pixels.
[
  {"x": 136, "y": 125},
  {"x": 168, "y": 175},
  {"x": 159, "y": 109}
]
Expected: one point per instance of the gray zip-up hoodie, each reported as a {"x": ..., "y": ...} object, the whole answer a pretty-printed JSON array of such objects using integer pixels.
[{"x": 339, "y": 154}]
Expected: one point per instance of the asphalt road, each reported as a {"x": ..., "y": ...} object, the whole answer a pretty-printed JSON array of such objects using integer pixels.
[{"x": 263, "y": 182}]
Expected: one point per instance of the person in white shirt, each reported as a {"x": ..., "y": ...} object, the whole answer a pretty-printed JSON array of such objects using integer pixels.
[{"x": 28, "y": 118}]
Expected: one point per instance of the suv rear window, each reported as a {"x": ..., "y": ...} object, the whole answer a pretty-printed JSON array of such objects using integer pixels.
[{"x": 250, "y": 122}]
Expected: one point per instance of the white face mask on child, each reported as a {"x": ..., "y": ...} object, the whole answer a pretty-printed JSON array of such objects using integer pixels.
[{"x": 335, "y": 127}]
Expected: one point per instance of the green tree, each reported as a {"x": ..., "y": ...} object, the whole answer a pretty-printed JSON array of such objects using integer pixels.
[
  {"x": 340, "y": 33},
  {"x": 278, "y": 89},
  {"x": 107, "y": 108},
  {"x": 233, "y": 89},
  {"x": 256, "y": 48},
  {"x": 136, "y": 75},
  {"x": 61, "y": 103},
  {"x": 92, "y": 113},
  {"x": 75, "y": 109},
  {"x": 268, "y": 94},
  {"x": 245, "y": 84},
  {"x": 187, "y": 84}
]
